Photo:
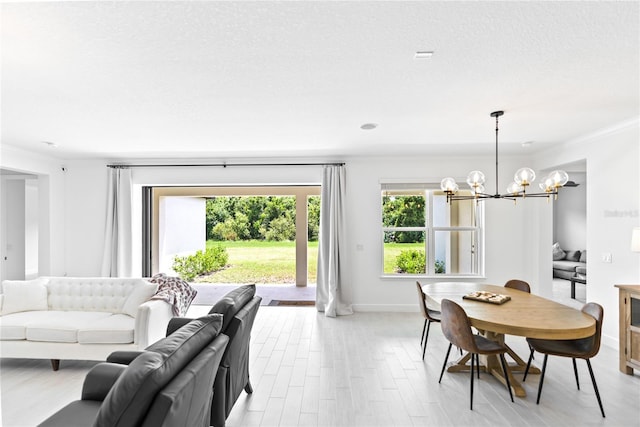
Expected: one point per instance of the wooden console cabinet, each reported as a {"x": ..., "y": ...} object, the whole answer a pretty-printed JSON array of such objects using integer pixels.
[{"x": 629, "y": 300}]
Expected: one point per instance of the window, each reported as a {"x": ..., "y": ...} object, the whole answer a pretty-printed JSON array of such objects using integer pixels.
[{"x": 422, "y": 234}]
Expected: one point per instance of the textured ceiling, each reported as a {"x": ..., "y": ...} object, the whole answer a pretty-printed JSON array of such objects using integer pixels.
[{"x": 249, "y": 79}]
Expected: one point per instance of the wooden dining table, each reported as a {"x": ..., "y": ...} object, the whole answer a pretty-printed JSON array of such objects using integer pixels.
[{"x": 525, "y": 315}]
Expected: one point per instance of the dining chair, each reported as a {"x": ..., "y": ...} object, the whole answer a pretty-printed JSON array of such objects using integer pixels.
[
  {"x": 456, "y": 327},
  {"x": 520, "y": 285},
  {"x": 429, "y": 316},
  {"x": 583, "y": 348}
]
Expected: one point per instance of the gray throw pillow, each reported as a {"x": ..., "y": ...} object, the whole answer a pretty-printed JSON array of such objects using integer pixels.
[
  {"x": 572, "y": 256},
  {"x": 557, "y": 252},
  {"x": 583, "y": 256}
]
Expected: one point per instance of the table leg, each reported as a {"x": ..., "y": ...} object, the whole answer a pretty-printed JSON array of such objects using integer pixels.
[{"x": 573, "y": 288}]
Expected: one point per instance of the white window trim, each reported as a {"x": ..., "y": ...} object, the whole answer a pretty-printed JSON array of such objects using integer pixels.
[{"x": 430, "y": 234}]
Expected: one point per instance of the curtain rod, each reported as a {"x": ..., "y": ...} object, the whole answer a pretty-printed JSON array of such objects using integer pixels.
[{"x": 223, "y": 165}]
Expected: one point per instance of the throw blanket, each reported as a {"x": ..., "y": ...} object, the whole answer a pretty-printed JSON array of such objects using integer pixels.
[{"x": 175, "y": 291}]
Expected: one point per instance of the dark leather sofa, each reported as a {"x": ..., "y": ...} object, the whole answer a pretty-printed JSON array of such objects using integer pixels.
[
  {"x": 170, "y": 383},
  {"x": 239, "y": 308}
]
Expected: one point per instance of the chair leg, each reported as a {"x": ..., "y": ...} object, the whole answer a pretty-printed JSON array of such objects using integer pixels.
[
  {"x": 478, "y": 366},
  {"x": 595, "y": 387},
  {"x": 471, "y": 394},
  {"x": 526, "y": 371},
  {"x": 506, "y": 375},
  {"x": 424, "y": 328},
  {"x": 575, "y": 372},
  {"x": 444, "y": 365},
  {"x": 544, "y": 368},
  {"x": 424, "y": 350}
]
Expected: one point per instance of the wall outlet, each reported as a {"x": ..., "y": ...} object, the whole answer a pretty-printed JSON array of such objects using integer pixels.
[{"x": 606, "y": 257}]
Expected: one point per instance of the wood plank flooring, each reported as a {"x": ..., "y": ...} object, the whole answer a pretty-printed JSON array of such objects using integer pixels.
[{"x": 360, "y": 370}]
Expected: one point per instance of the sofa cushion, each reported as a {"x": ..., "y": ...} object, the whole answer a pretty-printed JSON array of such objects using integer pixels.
[
  {"x": 557, "y": 252},
  {"x": 61, "y": 326},
  {"x": 566, "y": 265},
  {"x": 14, "y": 326},
  {"x": 140, "y": 295},
  {"x": 130, "y": 397},
  {"x": 583, "y": 256},
  {"x": 233, "y": 302},
  {"x": 24, "y": 295},
  {"x": 572, "y": 256},
  {"x": 115, "y": 329}
]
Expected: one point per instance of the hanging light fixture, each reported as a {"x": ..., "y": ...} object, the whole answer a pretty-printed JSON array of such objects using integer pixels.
[{"x": 522, "y": 179}]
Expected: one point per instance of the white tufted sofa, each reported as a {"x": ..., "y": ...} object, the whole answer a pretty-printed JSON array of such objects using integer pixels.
[{"x": 77, "y": 318}]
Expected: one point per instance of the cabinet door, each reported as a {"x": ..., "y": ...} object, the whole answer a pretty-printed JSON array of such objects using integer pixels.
[{"x": 633, "y": 347}]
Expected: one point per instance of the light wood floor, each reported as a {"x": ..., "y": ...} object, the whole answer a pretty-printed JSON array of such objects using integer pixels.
[{"x": 359, "y": 370}]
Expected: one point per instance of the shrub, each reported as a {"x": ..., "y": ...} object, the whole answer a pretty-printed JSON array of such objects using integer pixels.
[
  {"x": 411, "y": 262},
  {"x": 440, "y": 267},
  {"x": 280, "y": 229},
  {"x": 212, "y": 259},
  {"x": 236, "y": 228}
]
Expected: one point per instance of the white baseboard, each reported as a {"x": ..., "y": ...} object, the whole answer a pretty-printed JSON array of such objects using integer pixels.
[{"x": 386, "y": 308}]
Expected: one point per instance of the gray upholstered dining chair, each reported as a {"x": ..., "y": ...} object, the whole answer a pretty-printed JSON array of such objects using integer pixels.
[
  {"x": 429, "y": 316},
  {"x": 583, "y": 348},
  {"x": 518, "y": 284},
  {"x": 456, "y": 327}
]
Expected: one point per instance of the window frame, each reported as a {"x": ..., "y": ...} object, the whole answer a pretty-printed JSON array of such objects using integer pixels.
[{"x": 430, "y": 190}]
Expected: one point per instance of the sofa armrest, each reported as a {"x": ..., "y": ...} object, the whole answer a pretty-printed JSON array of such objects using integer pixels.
[
  {"x": 123, "y": 357},
  {"x": 176, "y": 323},
  {"x": 100, "y": 379},
  {"x": 151, "y": 322}
]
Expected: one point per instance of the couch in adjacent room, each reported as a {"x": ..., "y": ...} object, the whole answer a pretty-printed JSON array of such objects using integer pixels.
[{"x": 568, "y": 264}]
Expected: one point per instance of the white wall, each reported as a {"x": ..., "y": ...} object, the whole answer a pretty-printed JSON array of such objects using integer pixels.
[
  {"x": 182, "y": 229},
  {"x": 51, "y": 204},
  {"x": 613, "y": 206},
  {"x": 31, "y": 228},
  {"x": 13, "y": 228},
  {"x": 570, "y": 215}
]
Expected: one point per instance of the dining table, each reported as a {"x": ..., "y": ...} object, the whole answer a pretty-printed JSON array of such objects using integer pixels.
[{"x": 523, "y": 314}]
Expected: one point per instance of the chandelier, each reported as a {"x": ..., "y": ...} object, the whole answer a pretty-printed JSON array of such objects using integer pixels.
[{"x": 517, "y": 189}]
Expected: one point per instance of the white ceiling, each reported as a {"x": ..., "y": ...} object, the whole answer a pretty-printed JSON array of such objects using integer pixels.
[{"x": 229, "y": 79}]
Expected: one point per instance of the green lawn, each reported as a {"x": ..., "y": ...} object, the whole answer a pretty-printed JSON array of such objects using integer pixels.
[{"x": 257, "y": 261}]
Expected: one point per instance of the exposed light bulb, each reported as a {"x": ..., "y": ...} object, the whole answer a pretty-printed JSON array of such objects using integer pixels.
[{"x": 524, "y": 176}]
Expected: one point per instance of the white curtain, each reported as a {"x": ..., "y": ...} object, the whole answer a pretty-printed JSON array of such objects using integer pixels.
[
  {"x": 116, "y": 261},
  {"x": 332, "y": 296}
]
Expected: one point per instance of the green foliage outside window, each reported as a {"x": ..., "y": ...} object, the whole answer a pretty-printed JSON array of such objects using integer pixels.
[
  {"x": 403, "y": 211},
  {"x": 271, "y": 218},
  {"x": 411, "y": 262},
  {"x": 414, "y": 262},
  {"x": 214, "y": 258}
]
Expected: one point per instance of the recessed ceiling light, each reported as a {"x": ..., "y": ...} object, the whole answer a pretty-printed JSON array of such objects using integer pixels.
[
  {"x": 50, "y": 144},
  {"x": 423, "y": 54},
  {"x": 369, "y": 126}
]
